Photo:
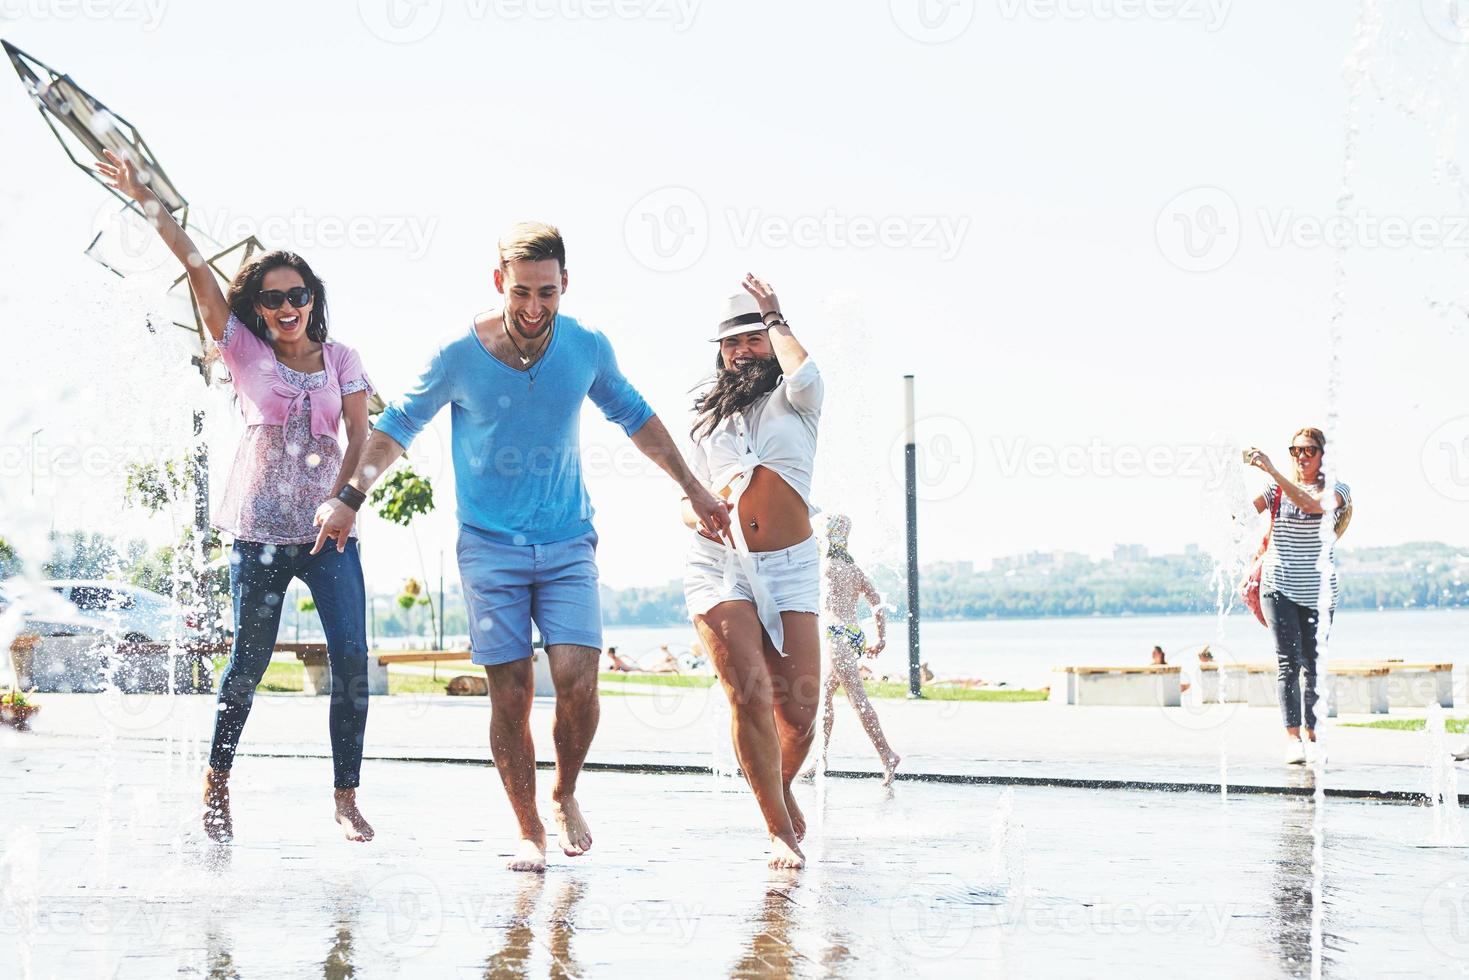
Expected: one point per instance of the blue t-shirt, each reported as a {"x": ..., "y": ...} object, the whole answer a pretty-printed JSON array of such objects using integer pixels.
[{"x": 517, "y": 448}]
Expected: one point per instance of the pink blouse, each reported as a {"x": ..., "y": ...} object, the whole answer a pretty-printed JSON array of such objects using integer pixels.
[{"x": 283, "y": 469}]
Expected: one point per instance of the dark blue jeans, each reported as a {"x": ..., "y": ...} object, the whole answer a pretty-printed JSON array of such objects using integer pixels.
[
  {"x": 259, "y": 577},
  {"x": 1294, "y": 627}
]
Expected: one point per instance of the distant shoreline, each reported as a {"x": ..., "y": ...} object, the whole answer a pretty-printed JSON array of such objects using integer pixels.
[{"x": 926, "y": 620}]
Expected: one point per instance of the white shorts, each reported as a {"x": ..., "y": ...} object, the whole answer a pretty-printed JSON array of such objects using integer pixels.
[{"x": 793, "y": 576}]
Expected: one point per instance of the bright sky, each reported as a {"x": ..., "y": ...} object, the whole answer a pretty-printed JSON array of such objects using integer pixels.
[{"x": 1086, "y": 226}]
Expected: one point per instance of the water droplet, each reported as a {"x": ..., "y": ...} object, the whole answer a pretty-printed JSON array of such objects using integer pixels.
[
  {"x": 504, "y": 401},
  {"x": 486, "y": 623},
  {"x": 519, "y": 539},
  {"x": 313, "y": 460}
]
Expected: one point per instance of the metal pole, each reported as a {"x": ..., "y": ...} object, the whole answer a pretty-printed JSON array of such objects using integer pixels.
[
  {"x": 206, "y": 601},
  {"x": 910, "y": 467},
  {"x": 441, "y": 602},
  {"x": 33, "y": 460},
  {"x": 201, "y": 479}
]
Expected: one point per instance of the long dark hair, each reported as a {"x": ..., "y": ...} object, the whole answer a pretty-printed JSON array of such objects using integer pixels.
[
  {"x": 245, "y": 288},
  {"x": 732, "y": 390}
]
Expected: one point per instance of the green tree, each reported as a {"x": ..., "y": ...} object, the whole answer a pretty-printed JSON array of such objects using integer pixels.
[{"x": 401, "y": 497}]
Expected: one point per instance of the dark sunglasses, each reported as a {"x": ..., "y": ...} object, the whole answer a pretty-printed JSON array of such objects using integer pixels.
[
  {"x": 297, "y": 296},
  {"x": 1307, "y": 451}
]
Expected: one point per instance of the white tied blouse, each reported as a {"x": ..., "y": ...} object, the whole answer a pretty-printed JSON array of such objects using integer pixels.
[{"x": 778, "y": 432}]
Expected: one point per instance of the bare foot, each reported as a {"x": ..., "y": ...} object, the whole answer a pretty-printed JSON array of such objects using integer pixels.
[
  {"x": 890, "y": 767},
  {"x": 785, "y": 854},
  {"x": 218, "y": 823},
  {"x": 349, "y": 818},
  {"x": 571, "y": 827},
  {"x": 529, "y": 856},
  {"x": 798, "y": 819}
]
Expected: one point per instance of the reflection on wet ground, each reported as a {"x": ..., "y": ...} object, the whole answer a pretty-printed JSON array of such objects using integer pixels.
[{"x": 919, "y": 880}]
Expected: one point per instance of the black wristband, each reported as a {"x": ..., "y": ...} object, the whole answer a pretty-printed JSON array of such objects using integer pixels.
[
  {"x": 766, "y": 318},
  {"x": 351, "y": 496}
]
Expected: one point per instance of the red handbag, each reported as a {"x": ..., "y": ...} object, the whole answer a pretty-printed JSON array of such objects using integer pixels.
[{"x": 1249, "y": 589}]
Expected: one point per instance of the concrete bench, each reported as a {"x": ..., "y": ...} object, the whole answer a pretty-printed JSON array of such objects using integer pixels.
[
  {"x": 1350, "y": 689},
  {"x": 316, "y": 676},
  {"x": 1415, "y": 685},
  {"x": 88, "y": 662},
  {"x": 145, "y": 667},
  {"x": 1212, "y": 674},
  {"x": 1151, "y": 686},
  {"x": 316, "y": 679},
  {"x": 1356, "y": 690}
]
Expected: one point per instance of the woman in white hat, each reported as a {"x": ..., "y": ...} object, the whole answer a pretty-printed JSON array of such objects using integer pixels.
[{"x": 755, "y": 595}]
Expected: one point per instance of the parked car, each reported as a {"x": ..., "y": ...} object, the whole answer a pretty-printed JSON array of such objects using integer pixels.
[
  {"x": 80, "y": 625},
  {"x": 134, "y": 614}
]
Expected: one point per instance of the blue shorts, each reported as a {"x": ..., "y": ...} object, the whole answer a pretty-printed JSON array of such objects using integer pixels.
[{"x": 507, "y": 586}]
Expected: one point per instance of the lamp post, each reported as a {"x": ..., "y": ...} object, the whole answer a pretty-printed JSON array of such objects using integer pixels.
[
  {"x": 33, "y": 460},
  {"x": 910, "y": 468}
]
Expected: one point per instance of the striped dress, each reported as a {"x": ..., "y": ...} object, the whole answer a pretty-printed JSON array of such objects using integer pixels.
[{"x": 1289, "y": 568}]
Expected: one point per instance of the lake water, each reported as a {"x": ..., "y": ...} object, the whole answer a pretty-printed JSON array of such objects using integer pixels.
[{"x": 1021, "y": 652}]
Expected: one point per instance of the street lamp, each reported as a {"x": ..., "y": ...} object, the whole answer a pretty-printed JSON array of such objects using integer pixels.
[{"x": 33, "y": 460}]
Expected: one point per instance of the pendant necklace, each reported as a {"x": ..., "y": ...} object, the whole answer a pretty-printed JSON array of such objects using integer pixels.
[{"x": 525, "y": 359}]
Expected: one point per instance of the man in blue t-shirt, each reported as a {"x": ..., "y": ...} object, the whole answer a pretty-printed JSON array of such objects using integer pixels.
[{"x": 516, "y": 381}]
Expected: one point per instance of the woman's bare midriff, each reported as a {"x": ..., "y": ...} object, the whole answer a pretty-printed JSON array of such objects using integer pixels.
[{"x": 775, "y": 509}]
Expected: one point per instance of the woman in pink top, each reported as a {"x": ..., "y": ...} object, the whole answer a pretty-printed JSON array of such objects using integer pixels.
[{"x": 295, "y": 389}]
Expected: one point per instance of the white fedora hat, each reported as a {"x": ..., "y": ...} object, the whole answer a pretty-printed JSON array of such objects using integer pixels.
[{"x": 740, "y": 314}]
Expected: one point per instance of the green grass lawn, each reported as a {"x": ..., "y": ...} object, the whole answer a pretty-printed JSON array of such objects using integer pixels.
[
  {"x": 663, "y": 680},
  {"x": 1454, "y": 726},
  {"x": 875, "y": 689},
  {"x": 288, "y": 677}
]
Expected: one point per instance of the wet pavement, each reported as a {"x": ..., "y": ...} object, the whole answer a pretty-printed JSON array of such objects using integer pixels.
[
  {"x": 105, "y": 874},
  {"x": 672, "y": 727}
]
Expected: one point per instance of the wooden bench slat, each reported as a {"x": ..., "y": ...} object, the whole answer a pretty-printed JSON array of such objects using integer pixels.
[
  {"x": 1148, "y": 669},
  {"x": 422, "y": 656},
  {"x": 185, "y": 649}
]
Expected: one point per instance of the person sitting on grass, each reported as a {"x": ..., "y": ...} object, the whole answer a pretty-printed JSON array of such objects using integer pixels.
[
  {"x": 620, "y": 664},
  {"x": 668, "y": 665}
]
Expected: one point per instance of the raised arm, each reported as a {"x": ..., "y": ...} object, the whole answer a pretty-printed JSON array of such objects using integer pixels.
[
  {"x": 1296, "y": 493},
  {"x": 121, "y": 175},
  {"x": 788, "y": 350}
]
